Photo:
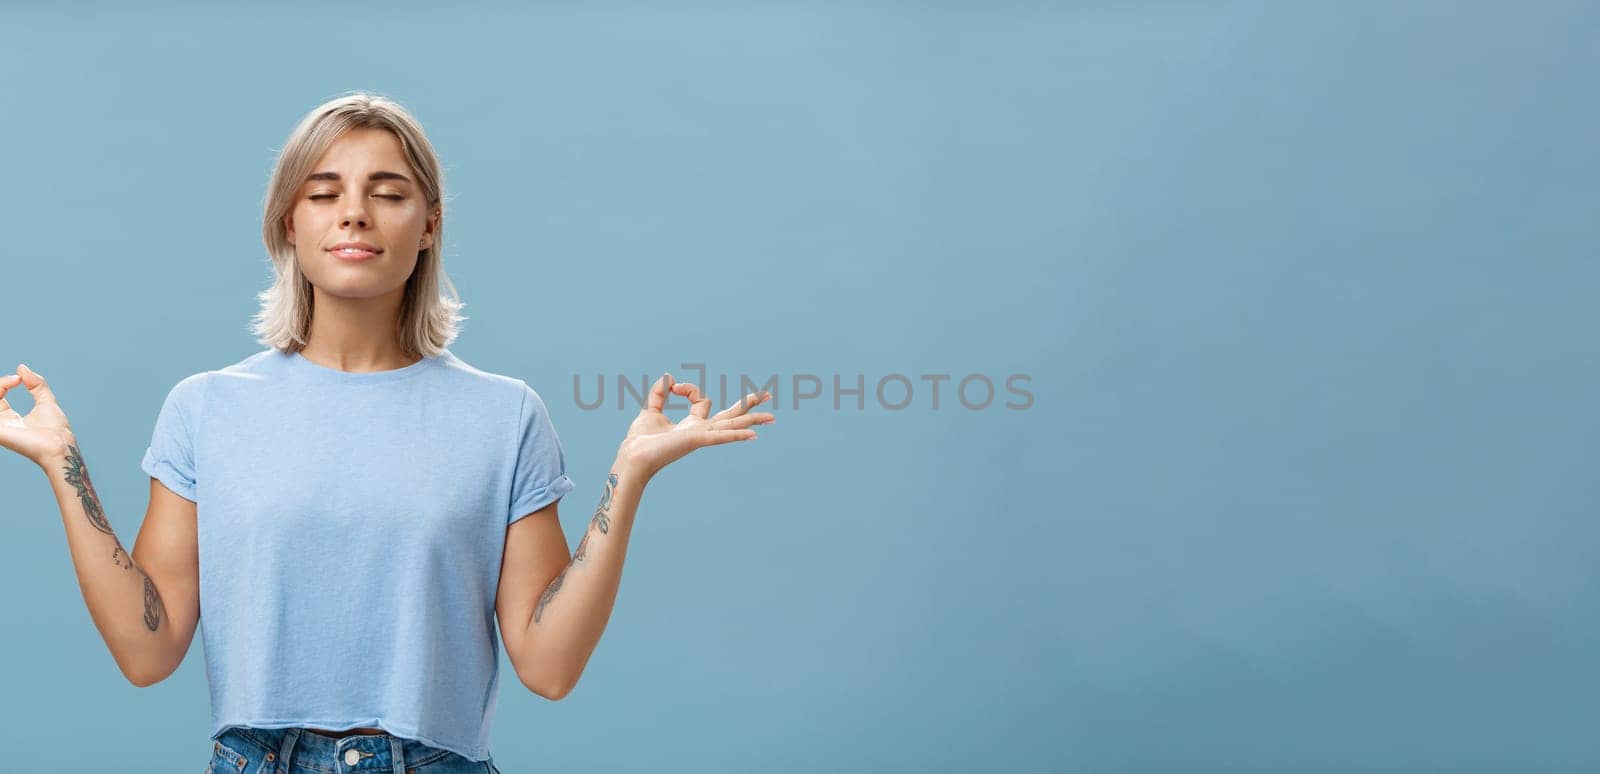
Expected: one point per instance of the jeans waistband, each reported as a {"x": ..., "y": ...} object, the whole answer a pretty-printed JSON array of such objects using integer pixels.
[{"x": 377, "y": 753}]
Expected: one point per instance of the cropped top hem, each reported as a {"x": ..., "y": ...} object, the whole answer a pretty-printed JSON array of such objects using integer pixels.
[{"x": 394, "y": 729}]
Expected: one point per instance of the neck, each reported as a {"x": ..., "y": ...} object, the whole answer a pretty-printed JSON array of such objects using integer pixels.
[{"x": 356, "y": 334}]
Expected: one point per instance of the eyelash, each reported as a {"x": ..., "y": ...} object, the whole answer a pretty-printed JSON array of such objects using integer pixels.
[{"x": 395, "y": 197}]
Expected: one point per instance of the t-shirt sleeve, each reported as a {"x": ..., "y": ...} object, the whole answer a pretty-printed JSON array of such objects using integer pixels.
[
  {"x": 540, "y": 476},
  {"x": 170, "y": 457}
]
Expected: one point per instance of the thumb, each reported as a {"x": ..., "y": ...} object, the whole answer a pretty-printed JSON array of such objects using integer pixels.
[{"x": 36, "y": 385}]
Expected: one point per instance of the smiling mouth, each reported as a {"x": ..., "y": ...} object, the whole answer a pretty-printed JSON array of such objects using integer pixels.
[{"x": 353, "y": 253}]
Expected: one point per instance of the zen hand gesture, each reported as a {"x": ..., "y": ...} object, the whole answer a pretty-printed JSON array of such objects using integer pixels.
[
  {"x": 654, "y": 441},
  {"x": 44, "y": 433}
]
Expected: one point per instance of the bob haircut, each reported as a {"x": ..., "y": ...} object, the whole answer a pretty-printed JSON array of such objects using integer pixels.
[{"x": 428, "y": 321}]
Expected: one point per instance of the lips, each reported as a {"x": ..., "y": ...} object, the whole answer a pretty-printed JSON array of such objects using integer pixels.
[{"x": 354, "y": 251}]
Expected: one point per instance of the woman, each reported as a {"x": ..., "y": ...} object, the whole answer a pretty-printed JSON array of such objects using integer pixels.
[{"x": 351, "y": 510}]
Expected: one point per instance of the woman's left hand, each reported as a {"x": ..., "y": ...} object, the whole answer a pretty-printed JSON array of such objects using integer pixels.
[{"x": 654, "y": 441}]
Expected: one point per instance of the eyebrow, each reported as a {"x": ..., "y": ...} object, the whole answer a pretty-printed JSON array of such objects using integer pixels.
[{"x": 373, "y": 176}]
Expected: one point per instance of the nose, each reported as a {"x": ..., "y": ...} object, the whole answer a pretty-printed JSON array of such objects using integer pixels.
[{"x": 355, "y": 216}]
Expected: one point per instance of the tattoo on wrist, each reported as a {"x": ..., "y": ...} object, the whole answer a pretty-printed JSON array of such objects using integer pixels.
[{"x": 78, "y": 477}]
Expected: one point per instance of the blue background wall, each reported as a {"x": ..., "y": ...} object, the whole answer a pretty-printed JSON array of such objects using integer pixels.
[{"x": 1305, "y": 292}]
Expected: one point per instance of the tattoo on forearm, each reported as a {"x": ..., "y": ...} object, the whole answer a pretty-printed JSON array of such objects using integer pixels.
[
  {"x": 121, "y": 558},
  {"x": 78, "y": 477},
  {"x": 602, "y": 514},
  {"x": 549, "y": 594},
  {"x": 154, "y": 611},
  {"x": 602, "y": 522}
]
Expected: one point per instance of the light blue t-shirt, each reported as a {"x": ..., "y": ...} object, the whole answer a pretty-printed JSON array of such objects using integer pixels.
[{"x": 351, "y": 530}]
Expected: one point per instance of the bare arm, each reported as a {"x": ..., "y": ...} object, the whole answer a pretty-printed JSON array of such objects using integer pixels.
[
  {"x": 551, "y": 627},
  {"x": 553, "y": 608},
  {"x": 146, "y": 605}
]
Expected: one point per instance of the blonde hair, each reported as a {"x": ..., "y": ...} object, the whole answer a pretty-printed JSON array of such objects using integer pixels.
[{"x": 428, "y": 321}]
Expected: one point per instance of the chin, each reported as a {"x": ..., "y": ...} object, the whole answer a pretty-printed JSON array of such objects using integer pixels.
[{"x": 359, "y": 288}]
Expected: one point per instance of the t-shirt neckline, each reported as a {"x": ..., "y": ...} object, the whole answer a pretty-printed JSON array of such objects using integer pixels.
[{"x": 299, "y": 363}]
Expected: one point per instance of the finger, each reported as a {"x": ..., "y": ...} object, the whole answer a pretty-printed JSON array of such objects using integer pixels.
[
  {"x": 699, "y": 405},
  {"x": 744, "y": 404},
  {"x": 36, "y": 385},
  {"x": 658, "y": 393},
  {"x": 739, "y": 423},
  {"x": 6, "y": 383},
  {"x": 717, "y": 437}
]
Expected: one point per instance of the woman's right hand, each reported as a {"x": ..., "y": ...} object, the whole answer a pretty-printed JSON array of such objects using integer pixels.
[{"x": 44, "y": 434}]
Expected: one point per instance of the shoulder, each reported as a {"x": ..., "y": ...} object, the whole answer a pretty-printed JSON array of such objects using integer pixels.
[
  {"x": 259, "y": 364},
  {"x": 505, "y": 390},
  {"x": 191, "y": 390}
]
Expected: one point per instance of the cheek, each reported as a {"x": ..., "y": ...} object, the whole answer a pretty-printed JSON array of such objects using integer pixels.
[{"x": 300, "y": 221}]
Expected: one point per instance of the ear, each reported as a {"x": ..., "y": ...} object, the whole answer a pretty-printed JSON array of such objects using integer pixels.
[
  {"x": 429, "y": 228},
  {"x": 288, "y": 226}
]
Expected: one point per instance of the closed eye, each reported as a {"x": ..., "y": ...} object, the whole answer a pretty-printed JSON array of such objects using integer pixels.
[{"x": 395, "y": 197}]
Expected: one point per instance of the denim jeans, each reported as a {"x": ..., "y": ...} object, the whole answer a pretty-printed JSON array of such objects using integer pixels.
[{"x": 241, "y": 750}]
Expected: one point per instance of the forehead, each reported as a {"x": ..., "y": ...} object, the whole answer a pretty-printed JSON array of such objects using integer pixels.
[{"x": 360, "y": 150}]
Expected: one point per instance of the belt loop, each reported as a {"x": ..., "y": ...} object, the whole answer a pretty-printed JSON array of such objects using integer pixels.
[
  {"x": 397, "y": 753},
  {"x": 286, "y": 748}
]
